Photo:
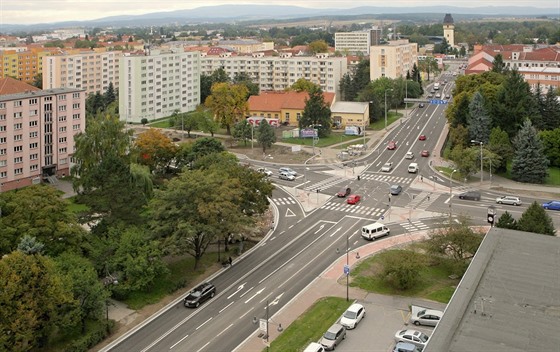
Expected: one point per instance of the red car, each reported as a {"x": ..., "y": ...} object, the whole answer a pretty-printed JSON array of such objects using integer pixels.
[
  {"x": 353, "y": 199},
  {"x": 422, "y": 137},
  {"x": 392, "y": 145},
  {"x": 425, "y": 153}
]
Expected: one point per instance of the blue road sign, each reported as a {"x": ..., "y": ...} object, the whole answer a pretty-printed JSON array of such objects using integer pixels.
[
  {"x": 346, "y": 270},
  {"x": 438, "y": 101}
]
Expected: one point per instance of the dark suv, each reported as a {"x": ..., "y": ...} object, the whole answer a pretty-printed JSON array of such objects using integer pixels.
[
  {"x": 343, "y": 192},
  {"x": 200, "y": 294}
]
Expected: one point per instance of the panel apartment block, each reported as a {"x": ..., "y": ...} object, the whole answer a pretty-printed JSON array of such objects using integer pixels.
[
  {"x": 393, "y": 60},
  {"x": 91, "y": 71},
  {"x": 156, "y": 85},
  {"x": 357, "y": 42},
  {"x": 274, "y": 73},
  {"x": 37, "y": 131}
]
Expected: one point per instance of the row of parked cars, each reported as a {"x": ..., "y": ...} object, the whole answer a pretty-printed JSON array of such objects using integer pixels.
[{"x": 508, "y": 200}]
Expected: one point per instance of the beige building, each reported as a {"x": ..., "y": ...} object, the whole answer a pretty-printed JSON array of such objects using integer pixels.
[
  {"x": 346, "y": 113},
  {"x": 91, "y": 71},
  {"x": 392, "y": 60},
  {"x": 37, "y": 129},
  {"x": 449, "y": 30},
  {"x": 275, "y": 73}
]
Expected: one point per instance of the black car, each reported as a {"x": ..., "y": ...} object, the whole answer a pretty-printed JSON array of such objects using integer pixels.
[
  {"x": 470, "y": 195},
  {"x": 200, "y": 294}
]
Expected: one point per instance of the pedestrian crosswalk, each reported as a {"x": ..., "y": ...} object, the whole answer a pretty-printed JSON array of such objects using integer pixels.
[
  {"x": 283, "y": 201},
  {"x": 414, "y": 225},
  {"x": 354, "y": 209},
  {"x": 423, "y": 200},
  {"x": 324, "y": 184},
  {"x": 387, "y": 178}
]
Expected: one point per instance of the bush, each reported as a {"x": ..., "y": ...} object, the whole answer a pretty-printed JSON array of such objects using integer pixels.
[
  {"x": 401, "y": 268},
  {"x": 95, "y": 334}
]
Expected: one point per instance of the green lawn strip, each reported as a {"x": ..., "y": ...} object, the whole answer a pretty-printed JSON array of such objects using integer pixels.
[
  {"x": 76, "y": 207},
  {"x": 380, "y": 124},
  {"x": 433, "y": 284},
  {"x": 310, "y": 325},
  {"x": 553, "y": 176}
]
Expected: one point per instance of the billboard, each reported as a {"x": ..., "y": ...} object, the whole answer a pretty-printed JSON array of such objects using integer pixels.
[
  {"x": 308, "y": 133},
  {"x": 353, "y": 131},
  {"x": 256, "y": 120}
]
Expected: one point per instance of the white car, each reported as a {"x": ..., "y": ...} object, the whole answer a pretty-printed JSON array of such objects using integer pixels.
[
  {"x": 353, "y": 315},
  {"x": 265, "y": 171},
  {"x": 387, "y": 167},
  {"x": 287, "y": 170},
  {"x": 413, "y": 336},
  {"x": 409, "y": 155},
  {"x": 286, "y": 176},
  {"x": 511, "y": 200}
]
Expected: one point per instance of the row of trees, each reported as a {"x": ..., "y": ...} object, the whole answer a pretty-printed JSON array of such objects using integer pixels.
[{"x": 534, "y": 219}]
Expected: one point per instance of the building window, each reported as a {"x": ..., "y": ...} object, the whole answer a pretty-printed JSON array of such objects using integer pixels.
[
  {"x": 76, "y": 117},
  {"x": 18, "y": 115},
  {"x": 33, "y": 134},
  {"x": 18, "y": 171},
  {"x": 75, "y": 95},
  {"x": 2, "y": 117},
  {"x": 3, "y": 174},
  {"x": 62, "y": 108},
  {"x": 2, "y": 128},
  {"x": 18, "y": 160},
  {"x": 18, "y": 126},
  {"x": 18, "y": 137},
  {"x": 33, "y": 123},
  {"x": 33, "y": 145},
  {"x": 62, "y": 150},
  {"x": 62, "y": 129},
  {"x": 3, "y": 162},
  {"x": 62, "y": 97},
  {"x": 33, "y": 156},
  {"x": 76, "y": 106},
  {"x": 3, "y": 151},
  {"x": 2, "y": 105},
  {"x": 62, "y": 118},
  {"x": 18, "y": 148},
  {"x": 18, "y": 103},
  {"x": 34, "y": 167},
  {"x": 33, "y": 101},
  {"x": 2, "y": 140},
  {"x": 76, "y": 127},
  {"x": 62, "y": 140}
]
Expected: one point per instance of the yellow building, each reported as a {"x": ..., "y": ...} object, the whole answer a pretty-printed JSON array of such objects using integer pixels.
[
  {"x": 349, "y": 113},
  {"x": 23, "y": 65},
  {"x": 392, "y": 60}
]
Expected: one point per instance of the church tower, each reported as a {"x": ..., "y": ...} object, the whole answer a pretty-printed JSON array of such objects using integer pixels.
[{"x": 449, "y": 29}]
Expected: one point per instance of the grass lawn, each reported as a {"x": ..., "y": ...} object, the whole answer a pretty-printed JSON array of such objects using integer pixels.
[
  {"x": 324, "y": 142},
  {"x": 380, "y": 124},
  {"x": 310, "y": 325},
  {"x": 160, "y": 124},
  {"x": 434, "y": 282},
  {"x": 553, "y": 176},
  {"x": 76, "y": 207}
]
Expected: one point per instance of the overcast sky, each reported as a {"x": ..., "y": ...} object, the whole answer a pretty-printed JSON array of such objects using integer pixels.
[{"x": 46, "y": 11}]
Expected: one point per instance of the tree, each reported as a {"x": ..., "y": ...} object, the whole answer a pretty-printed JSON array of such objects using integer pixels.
[
  {"x": 499, "y": 144},
  {"x": 551, "y": 145},
  {"x": 207, "y": 122},
  {"x": 478, "y": 119},
  {"x": 401, "y": 268},
  {"x": 243, "y": 130},
  {"x": 529, "y": 162},
  {"x": 465, "y": 159},
  {"x": 304, "y": 85},
  {"x": 38, "y": 81},
  {"x": 229, "y": 104},
  {"x": 206, "y": 82},
  {"x": 415, "y": 76},
  {"x": 30, "y": 245},
  {"x": 549, "y": 108},
  {"x": 156, "y": 150},
  {"x": 506, "y": 221},
  {"x": 318, "y": 46},
  {"x": 316, "y": 114},
  {"x": 94, "y": 104},
  {"x": 109, "y": 97},
  {"x": 246, "y": 80},
  {"x": 535, "y": 219},
  {"x": 34, "y": 300},
  {"x": 347, "y": 88},
  {"x": 81, "y": 278},
  {"x": 498, "y": 64},
  {"x": 266, "y": 136},
  {"x": 429, "y": 64}
]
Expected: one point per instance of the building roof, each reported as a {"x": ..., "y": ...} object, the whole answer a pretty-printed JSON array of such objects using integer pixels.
[
  {"x": 448, "y": 19},
  {"x": 349, "y": 107},
  {"x": 508, "y": 300},
  {"x": 9, "y": 85},
  {"x": 276, "y": 101}
]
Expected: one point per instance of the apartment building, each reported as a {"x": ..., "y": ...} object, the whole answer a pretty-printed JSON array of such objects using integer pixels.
[
  {"x": 37, "y": 129},
  {"x": 91, "y": 71},
  {"x": 357, "y": 42},
  {"x": 156, "y": 84},
  {"x": 275, "y": 73},
  {"x": 392, "y": 60},
  {"x": 23, "y": 65}
]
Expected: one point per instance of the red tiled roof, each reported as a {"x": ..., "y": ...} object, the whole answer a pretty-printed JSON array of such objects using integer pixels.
[
  {"x": 276, "y": 101},
  {"x": 11, "y": 85}
]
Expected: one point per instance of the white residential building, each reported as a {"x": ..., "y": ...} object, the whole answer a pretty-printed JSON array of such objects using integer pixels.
[
  {"x": 91, "y": 71},
  {"x": 156, "y": 85},
  {"x": 357, "y": 42},
  {"x": 274, "y": 73},
  {"x": 393, "y": 60}
]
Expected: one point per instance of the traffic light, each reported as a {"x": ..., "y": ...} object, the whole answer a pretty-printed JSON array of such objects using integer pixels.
[{"x": 491, "y": 215}]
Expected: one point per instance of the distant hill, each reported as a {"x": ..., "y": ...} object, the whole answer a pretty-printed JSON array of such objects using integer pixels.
[{"x": 238, "y": 13}]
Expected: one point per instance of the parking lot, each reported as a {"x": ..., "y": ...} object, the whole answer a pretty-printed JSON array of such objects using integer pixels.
[{"x": 385, "y": 315}]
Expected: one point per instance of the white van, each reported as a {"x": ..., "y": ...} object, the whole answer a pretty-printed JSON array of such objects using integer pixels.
[
  {"x": 413, "y": 168},
  {"x": 314, "y": 347},
  {"x": 374, "y": 231}
]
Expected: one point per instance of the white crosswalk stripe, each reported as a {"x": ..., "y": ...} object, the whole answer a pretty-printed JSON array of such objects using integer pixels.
[
  {"x": 283, "y": 201},
  {"x": 353, "y": 209},
  {"x": 414, "y": 225},
  {"x": 423, "y": 200},
  {"x": 387, "y": 178},
  {"x": 329, "y": 182}
]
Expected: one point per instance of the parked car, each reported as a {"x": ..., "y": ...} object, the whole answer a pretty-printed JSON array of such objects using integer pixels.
[
  {"x": 333, "y": 337},
  {"x": 286, "y": 176},
  {"x": 409, "y": 155},
  {"x": 414, "y": 337},
  {"x": 396, "y": 190},
  {"x": 287, "y": 170},
  {"x": 314, "y": 347},
  {"x": 428, "y": 317},
  {"x": 406, "y": 347},
  {"x": 265, "y": 171},
  {"x": 343, "y": 192},
  {"x": 422, "y": 137},
  {"x": 199, "y": 295},
  {"x": 425, "y": 153},
  {"x": 387, "y": 167},
  {"x": 552, "y": 205},
  {"x": 470, "y": 195},
  {"x": 353, "y": 315},
  {"x": 353, "y": 199},
  {"x": 510, "y": 200},
  {"x": 392, "y": 145}
]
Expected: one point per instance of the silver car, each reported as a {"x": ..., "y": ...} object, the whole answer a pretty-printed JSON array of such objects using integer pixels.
[
  {"x": 387, "y": 167},
  {"x": 333, "y": 337},
  {"x": 510, "y": 200},
  {"x": 428, "y": 317},
  {"x": 287, "y": 170},
  {"x": 412, "y": 336},
  {"x": 286, "y": 176}
]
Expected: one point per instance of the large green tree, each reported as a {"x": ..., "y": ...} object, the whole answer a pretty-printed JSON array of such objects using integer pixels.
[
  {"x": 499, "y": 144},
  {"x": 506, "y": 221},
  {"x": 478, "y": 119},
  {"x": 316, "y": 113},
  {"x": 243, "y": 131},
  {"x": 549, "y": 108},
  {"x": 529, "y": 162},
  {"x": 229, "y": 104},
  {"x": 551, "y": 145},
  {"x": 535, "y": 219},
  {"x": 266, "y": 135}
]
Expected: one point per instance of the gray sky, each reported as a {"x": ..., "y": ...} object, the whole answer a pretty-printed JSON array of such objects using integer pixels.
[{"x": 46, "y": 11}]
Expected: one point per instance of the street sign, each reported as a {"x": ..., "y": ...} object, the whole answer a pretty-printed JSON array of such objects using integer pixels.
[
  {"x": 346, "y": 270},
  {"x": 438, "y": 101}
]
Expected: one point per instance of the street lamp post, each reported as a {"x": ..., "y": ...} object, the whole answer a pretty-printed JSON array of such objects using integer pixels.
[
  {"x": 266, "y": 322},
  {"x": 481, "y": 162},
  {"x": 347, "y": 267},
  {"x": 451, "y": 195},
  {"x": 386, "y": 90}
]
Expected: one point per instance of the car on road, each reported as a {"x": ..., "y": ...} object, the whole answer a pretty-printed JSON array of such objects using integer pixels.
[
  {"x": 406, "y": 347},
  {"x": 413, "y": 168},
  {"x": 552, "y": 205},
  {"x": 199, "y": 295},
  {"x": 353, "y": 315},
  {"x": 438, "y": 95},
  {"x": 286, "y": 176},
  {"x": 333, "y": 337},
  {"x": 421, "y": 105},
  {"x": 428, "y": 317},
  {"x": 425, "y": 153},
  {"x": 287, "y": 170},
  {"x": 447, "y": 96},
  {"x": 510, "y": 200},
  {"x": 392, "y": 145},
  {"x": 265, "y": 171},
  {"x": 414, "y": 337},
  {"x": 409, "y": 155},
  {"x": 353, "y": 199},
  {"x": 469, "y": 195},
  {"x": 314, "y": 347},
  {"x": 395, "y": 190},
  {"x": 387, "y": 167},
  {"x": 344, "y": 192},
  {"x": 422, "y": 137}
]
